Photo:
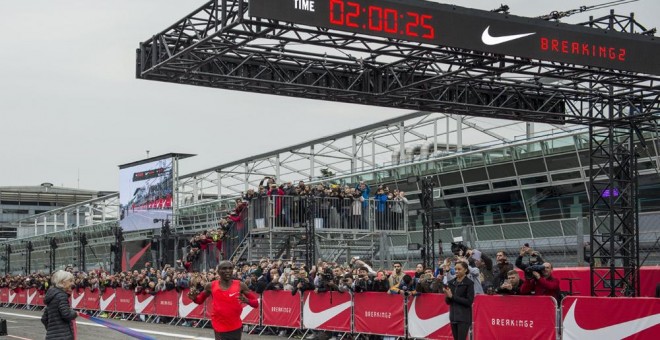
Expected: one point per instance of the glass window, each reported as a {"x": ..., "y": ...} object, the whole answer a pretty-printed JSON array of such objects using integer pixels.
[
  {"x": 497, "y": 208},
  {"x": 499, "y": 155}
]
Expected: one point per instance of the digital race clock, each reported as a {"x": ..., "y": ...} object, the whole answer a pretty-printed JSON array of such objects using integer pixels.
[{"x": 453, "y": 26}]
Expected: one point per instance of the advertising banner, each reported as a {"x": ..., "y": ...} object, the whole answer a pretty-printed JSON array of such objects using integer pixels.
[
  {"x": 4, "y": 295},
  {"x": 21, "y": 297},
  {"x": 107, "y": 300},
  {"x": 145, "y": 304},
  {"x": 77, "y": 297},
  {"x": 599, "y": 318},
  {"x": 124, "y": 300},
  {"x": 39, "y": 299},
  {"x": 250, "y": 315},
  {"x": 327, "y": 311},
  {"x": 378, "y": 313},
  {"x": 189, "y": 309},
  {"x": 31, "y": 295},
  {"x": 91, "y": 299},
  {"x": 166, "y": 303},
  {"x": 281, "y": 309},
  {"x": 428, "y": 317},
  {"x": 529, "y": 317}
]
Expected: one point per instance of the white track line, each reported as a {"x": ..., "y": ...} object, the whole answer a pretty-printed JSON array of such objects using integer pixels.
[{"x": 175, "y": 335}]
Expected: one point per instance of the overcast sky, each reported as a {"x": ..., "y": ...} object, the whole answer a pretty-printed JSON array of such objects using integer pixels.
[{"x": 70, "y": 103}]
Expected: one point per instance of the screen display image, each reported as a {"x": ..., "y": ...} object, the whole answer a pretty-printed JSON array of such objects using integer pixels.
[{"x": 145, "y": 195}]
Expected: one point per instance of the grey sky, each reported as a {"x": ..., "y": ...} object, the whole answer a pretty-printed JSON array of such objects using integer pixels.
[{"x": 69, "y": 100}]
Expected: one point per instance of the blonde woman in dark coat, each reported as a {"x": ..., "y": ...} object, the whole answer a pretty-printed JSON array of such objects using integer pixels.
[{"x": 58, "y": 315}]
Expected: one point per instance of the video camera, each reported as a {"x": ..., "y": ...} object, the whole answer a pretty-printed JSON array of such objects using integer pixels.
[{"x": 457, "y": 247}]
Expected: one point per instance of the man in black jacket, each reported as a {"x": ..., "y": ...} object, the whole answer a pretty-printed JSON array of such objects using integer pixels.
[{"x": 511, "y": 286}]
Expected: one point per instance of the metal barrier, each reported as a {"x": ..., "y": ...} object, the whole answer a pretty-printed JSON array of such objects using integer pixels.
[{"x": 327, "y": 212}]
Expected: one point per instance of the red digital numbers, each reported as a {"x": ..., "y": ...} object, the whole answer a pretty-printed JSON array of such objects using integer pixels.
[
  {"x": 337, "y": 6},
  {"x": 351, "y": 16},
  {"x": 381, "y": 19}
]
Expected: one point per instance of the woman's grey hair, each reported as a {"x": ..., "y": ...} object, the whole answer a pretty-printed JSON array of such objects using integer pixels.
[{"x": 59, "y": 277}]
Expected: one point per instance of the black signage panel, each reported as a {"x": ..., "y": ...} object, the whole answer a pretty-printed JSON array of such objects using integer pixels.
[{"x": 448, "y": 25}]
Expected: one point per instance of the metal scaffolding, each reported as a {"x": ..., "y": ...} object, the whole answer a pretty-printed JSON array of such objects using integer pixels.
[{"x": 221, "y": 46}]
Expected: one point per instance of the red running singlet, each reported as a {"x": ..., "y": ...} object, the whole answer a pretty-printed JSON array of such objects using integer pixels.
[{"x": 226, "y": 307}]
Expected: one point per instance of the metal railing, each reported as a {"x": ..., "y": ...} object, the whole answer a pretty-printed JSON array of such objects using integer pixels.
[{"x": 329, "y": 212}]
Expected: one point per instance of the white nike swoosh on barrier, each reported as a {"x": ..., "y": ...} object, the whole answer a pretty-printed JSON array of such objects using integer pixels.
[
  {"x": 247, "y": 309},
  {"x": 11, "y": 297},
  {"x": 491, "y": 40},
  {"x": 313, "y": 320},
  {"x": 572, "y": 330},
  {"x": 31, "y": 297},
  {"x": 106, "y": 302},
  {"x": 185, "y": 310},
  {"x": 421, "y": 328},
  {"x": 75, "y": 302},
  {"x": 140, "y": 306}
]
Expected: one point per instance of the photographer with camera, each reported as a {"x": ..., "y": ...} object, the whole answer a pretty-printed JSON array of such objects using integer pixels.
[
  {"x": 302, "y": 283},
  {"x": 325, "y": 281},
  {"x": 542, "y": 281},
  {"x": 363, "y": 282},
  {"x": 534, "y": 259},
  {"x": 511, "y": 286}
]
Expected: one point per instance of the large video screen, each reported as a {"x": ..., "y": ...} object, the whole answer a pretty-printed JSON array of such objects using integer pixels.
[{"x": 145, "y": 195}]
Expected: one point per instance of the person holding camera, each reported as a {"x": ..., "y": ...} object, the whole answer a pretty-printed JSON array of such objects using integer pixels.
[
  {"x": 541, "y": 283},
  {"x": 459, "y": 295},
  {"x": 511, "y": 286},
  {"x": 363, "y": 282}
]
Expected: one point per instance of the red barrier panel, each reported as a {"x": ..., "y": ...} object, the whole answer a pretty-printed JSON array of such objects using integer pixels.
[
  {"x": 250, "y": 315},
  {"x": 4, "y": 295},
  {"x": 21, "y": 297},
  {"x": 529, "y": 317},
  {"x": 166, "y": 303},
  {"x": 327, "y": 311},
  {"x": 32, "y": 294},
  {"x": 124, "y": 301},
  {"x": 208, "y": 308},
  {"x": 648, "y": 278},
  {"x": 39, "y": 299},
  {"x": 107, "y": 300},
  {"x": 77, "y": 299},
  {"x": 428, "y": 317},
  {"x": 378, "y": 313},
  {"x": 145, "y": 304},
  {"x": 598, "y": 318},
  {"x": 189, "y": 309},
  {"x": 281, "y": 309},
  {"x": 91, "y": 299}
]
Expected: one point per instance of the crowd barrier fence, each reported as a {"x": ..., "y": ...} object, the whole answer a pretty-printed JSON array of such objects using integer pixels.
[{"x": 425, "y": 316}]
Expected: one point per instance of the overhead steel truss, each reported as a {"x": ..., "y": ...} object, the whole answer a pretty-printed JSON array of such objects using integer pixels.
[{"x": 220, "y": 45}]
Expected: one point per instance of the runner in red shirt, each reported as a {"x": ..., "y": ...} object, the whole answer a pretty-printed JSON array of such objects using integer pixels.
[{"x": 227, "y": 297}]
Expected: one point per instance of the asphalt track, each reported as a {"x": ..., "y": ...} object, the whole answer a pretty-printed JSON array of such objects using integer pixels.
[{"x": 26, "y": 325}]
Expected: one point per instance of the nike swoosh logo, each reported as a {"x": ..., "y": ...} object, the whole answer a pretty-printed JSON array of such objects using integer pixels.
[
  {"x": 314, "y": 320},
  {"x": 11, "y": 297},
  {"x": 140, "y": 306},
  {"x": 31, "y": 297},
  {"x": 106, "y": 302},
  {"x": 491, "y": 40},
  {"x": 421, "y": 328},
  {"x": 185, "y": 310},
  {"x": 247, "y": 309},
  {"x": 232, "y": 294},
  {"x": 572, "y": 329},
  {"x": 75, "y": 302}
]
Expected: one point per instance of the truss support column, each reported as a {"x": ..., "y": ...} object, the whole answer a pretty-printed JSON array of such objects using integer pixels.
[
  {"x": 426, "y": 201},
  {"x": 311, "y": 162},
  {"x": 402, "y": 141},
  {"x": 219, "y": 177},
  {"x": 277, "y": 168},
  {"x": 354, "y": 153},
  {"x": 613, "y": 218},
  {"x": 247, "y": 178},
  {"x": 459, "y": 134},
  {"x": 435, "y": 136},
  {"x": 195, "y": 189}
]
